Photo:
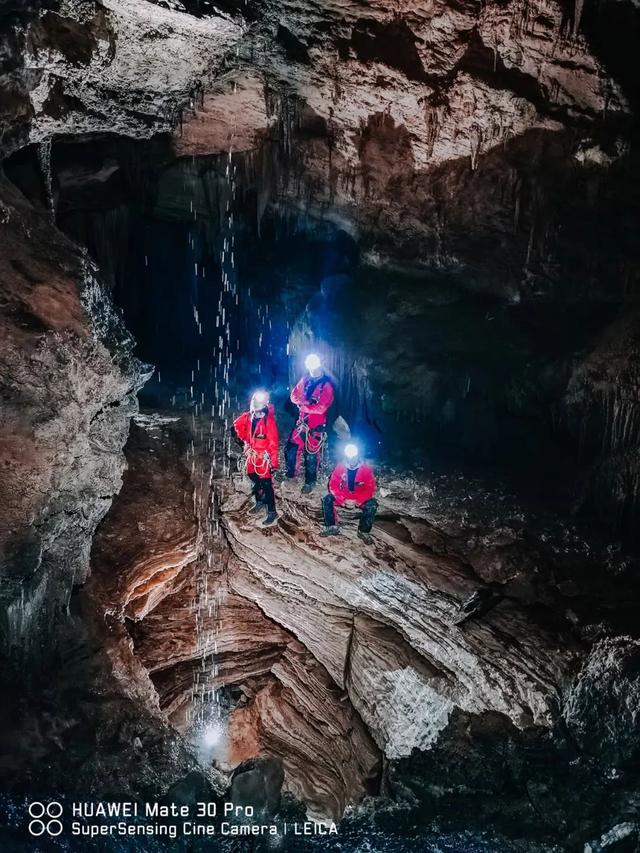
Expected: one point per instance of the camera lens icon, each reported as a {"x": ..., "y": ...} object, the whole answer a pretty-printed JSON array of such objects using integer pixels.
[{"x": 45, "y": 819}]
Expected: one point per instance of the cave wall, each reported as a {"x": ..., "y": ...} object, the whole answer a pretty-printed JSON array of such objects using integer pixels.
[
  {"x": 174, "y": 650},
  {"x": 601, "y": 408},
  {"x": 69, "y": 383},
  {"x": 329, "y": 658},
  {"x": 68, "y": 69},
  {"x": 76, "y": 67},
  {"x": 480, "y": 140},
  {"x": 487, "y": 379},
  {"x": 487, "y": 142}
]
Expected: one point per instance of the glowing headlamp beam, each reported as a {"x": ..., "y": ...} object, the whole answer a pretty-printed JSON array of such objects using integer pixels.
[
  {"x": 312, "y": 361},
  {"x": 351, "y": 451}
]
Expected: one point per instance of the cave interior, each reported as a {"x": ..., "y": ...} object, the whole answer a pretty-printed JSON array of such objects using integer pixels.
[{"x": 441, "y": 200}]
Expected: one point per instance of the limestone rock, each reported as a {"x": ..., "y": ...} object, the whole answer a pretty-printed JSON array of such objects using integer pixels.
[
  {"x": 127, "y": 67},
  {"x": 68, "y": 385},
  {"x": 147, "y": 576},
  {"x": 601, "y": 708},
  {"x": 382, "y": 622}
]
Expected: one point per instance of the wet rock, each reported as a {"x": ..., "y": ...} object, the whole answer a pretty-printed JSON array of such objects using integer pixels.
[
  {"x": 231, "y": 117},
  {"x": 194, "y": 788},
  {"x": 622, "y": 837},
  {"x": 602, "y": 707},
  {"x": 258, "y": 782},
  {"x": 68, "y": 386},
  {"x": 278, "y": 702},
  {"x": 308, "y": 722},
  {"x": 126, "y": 67},
  {"x": 410, "y": 597},
  {"x": 75, "y": 731}
]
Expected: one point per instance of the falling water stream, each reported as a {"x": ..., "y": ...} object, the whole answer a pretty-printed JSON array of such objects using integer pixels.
[
  {"x": 44, "y": 157},
  {"x": 212, "y": 398}
]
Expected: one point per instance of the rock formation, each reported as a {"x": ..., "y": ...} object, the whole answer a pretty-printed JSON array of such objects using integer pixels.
[
  {"x": 491, "y": 143},
  {"x": 339, "y": 661},
  {"x": 69, "y": 382},
  {"x": 440, "y": 197},
  {"x": 80, "y": 67}
]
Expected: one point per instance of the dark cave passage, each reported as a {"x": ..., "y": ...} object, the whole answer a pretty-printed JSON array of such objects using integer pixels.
[
  {"x": 462, "y": 401},
  {"x": 426, "y": 372}
]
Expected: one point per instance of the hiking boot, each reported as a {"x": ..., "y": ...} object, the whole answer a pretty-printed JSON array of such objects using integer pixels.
[
  {"x": 367, "y": 538},
  {"x": 271, "y": 519},
  {"x": 308, "y": 488},
  {"x": 333, "y": 530},
  {"x": 257, "y": 506}
]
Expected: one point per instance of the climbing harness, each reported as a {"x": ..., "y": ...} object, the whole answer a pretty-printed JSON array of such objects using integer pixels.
[
  {"x": 260, "y": 466},
  {"x": 312, "y": 444}
]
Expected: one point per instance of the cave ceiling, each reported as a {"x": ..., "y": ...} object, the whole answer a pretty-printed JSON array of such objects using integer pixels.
[{"x": 451, "y": 136}]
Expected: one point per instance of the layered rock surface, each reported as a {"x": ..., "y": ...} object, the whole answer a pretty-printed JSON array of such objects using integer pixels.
[
  {"x": 149, "y": 568},
  {"x": 382, "y": 622},
  {"x": 360, "y": 669},
  {"x": 322, "y": 653}
]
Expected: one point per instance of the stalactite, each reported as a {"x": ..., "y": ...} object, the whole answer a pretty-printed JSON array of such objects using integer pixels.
[
  {"x": 44, "y": 156},
  {"x": 578, "y": 8},
  {"x": 434, "y": 114},
  {"x": 520, "y": 18},
  {"x": 475, "y": 141}
]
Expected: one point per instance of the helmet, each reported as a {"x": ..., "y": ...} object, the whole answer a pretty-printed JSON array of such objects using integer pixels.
[
  {"x": 352, "y": 455},
  {"x": 259, "y": 401},
  {"x": 313, "y": 362}
]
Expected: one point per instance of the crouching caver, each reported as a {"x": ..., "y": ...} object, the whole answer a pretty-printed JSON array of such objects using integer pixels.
[
  {"x": 352, "y": 482},
  {"x": 258, "y": 431}
]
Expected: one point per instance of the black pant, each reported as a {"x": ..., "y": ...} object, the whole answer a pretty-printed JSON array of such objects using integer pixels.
[
  {"x": 262, "y": 490},
  {"x": 369, "y": 509},
  {"x": 311, "y": 460}
]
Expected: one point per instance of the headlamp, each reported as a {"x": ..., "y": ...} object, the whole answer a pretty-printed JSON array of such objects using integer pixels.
[{"x": 312, "y": 362}]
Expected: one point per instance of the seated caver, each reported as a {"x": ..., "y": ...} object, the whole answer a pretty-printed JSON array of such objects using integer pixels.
[
  {"x": 352, "y": 482},
  {"x": 258, "y": 431}
]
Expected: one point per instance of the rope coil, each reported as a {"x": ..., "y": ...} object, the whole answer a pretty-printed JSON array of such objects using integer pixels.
[
  {"x": 261, "y": 467},
  {"x": 309, "y": 440}
]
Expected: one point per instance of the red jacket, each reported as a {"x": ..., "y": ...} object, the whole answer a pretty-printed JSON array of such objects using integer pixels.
[
  {"x": 313, "y": 397},
  {"x": 364, "y": 485},
  {"x": 260, "y": 435}
]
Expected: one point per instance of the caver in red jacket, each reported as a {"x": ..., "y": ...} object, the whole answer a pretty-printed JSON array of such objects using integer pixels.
[
  {"x": 313, "y": 397},
  {"x": 364, "y": 484},
  {"x": 260, "y": 436}
]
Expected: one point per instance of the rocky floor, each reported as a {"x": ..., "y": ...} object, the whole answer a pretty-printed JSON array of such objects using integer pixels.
[{"x": 427, "y": 681}]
